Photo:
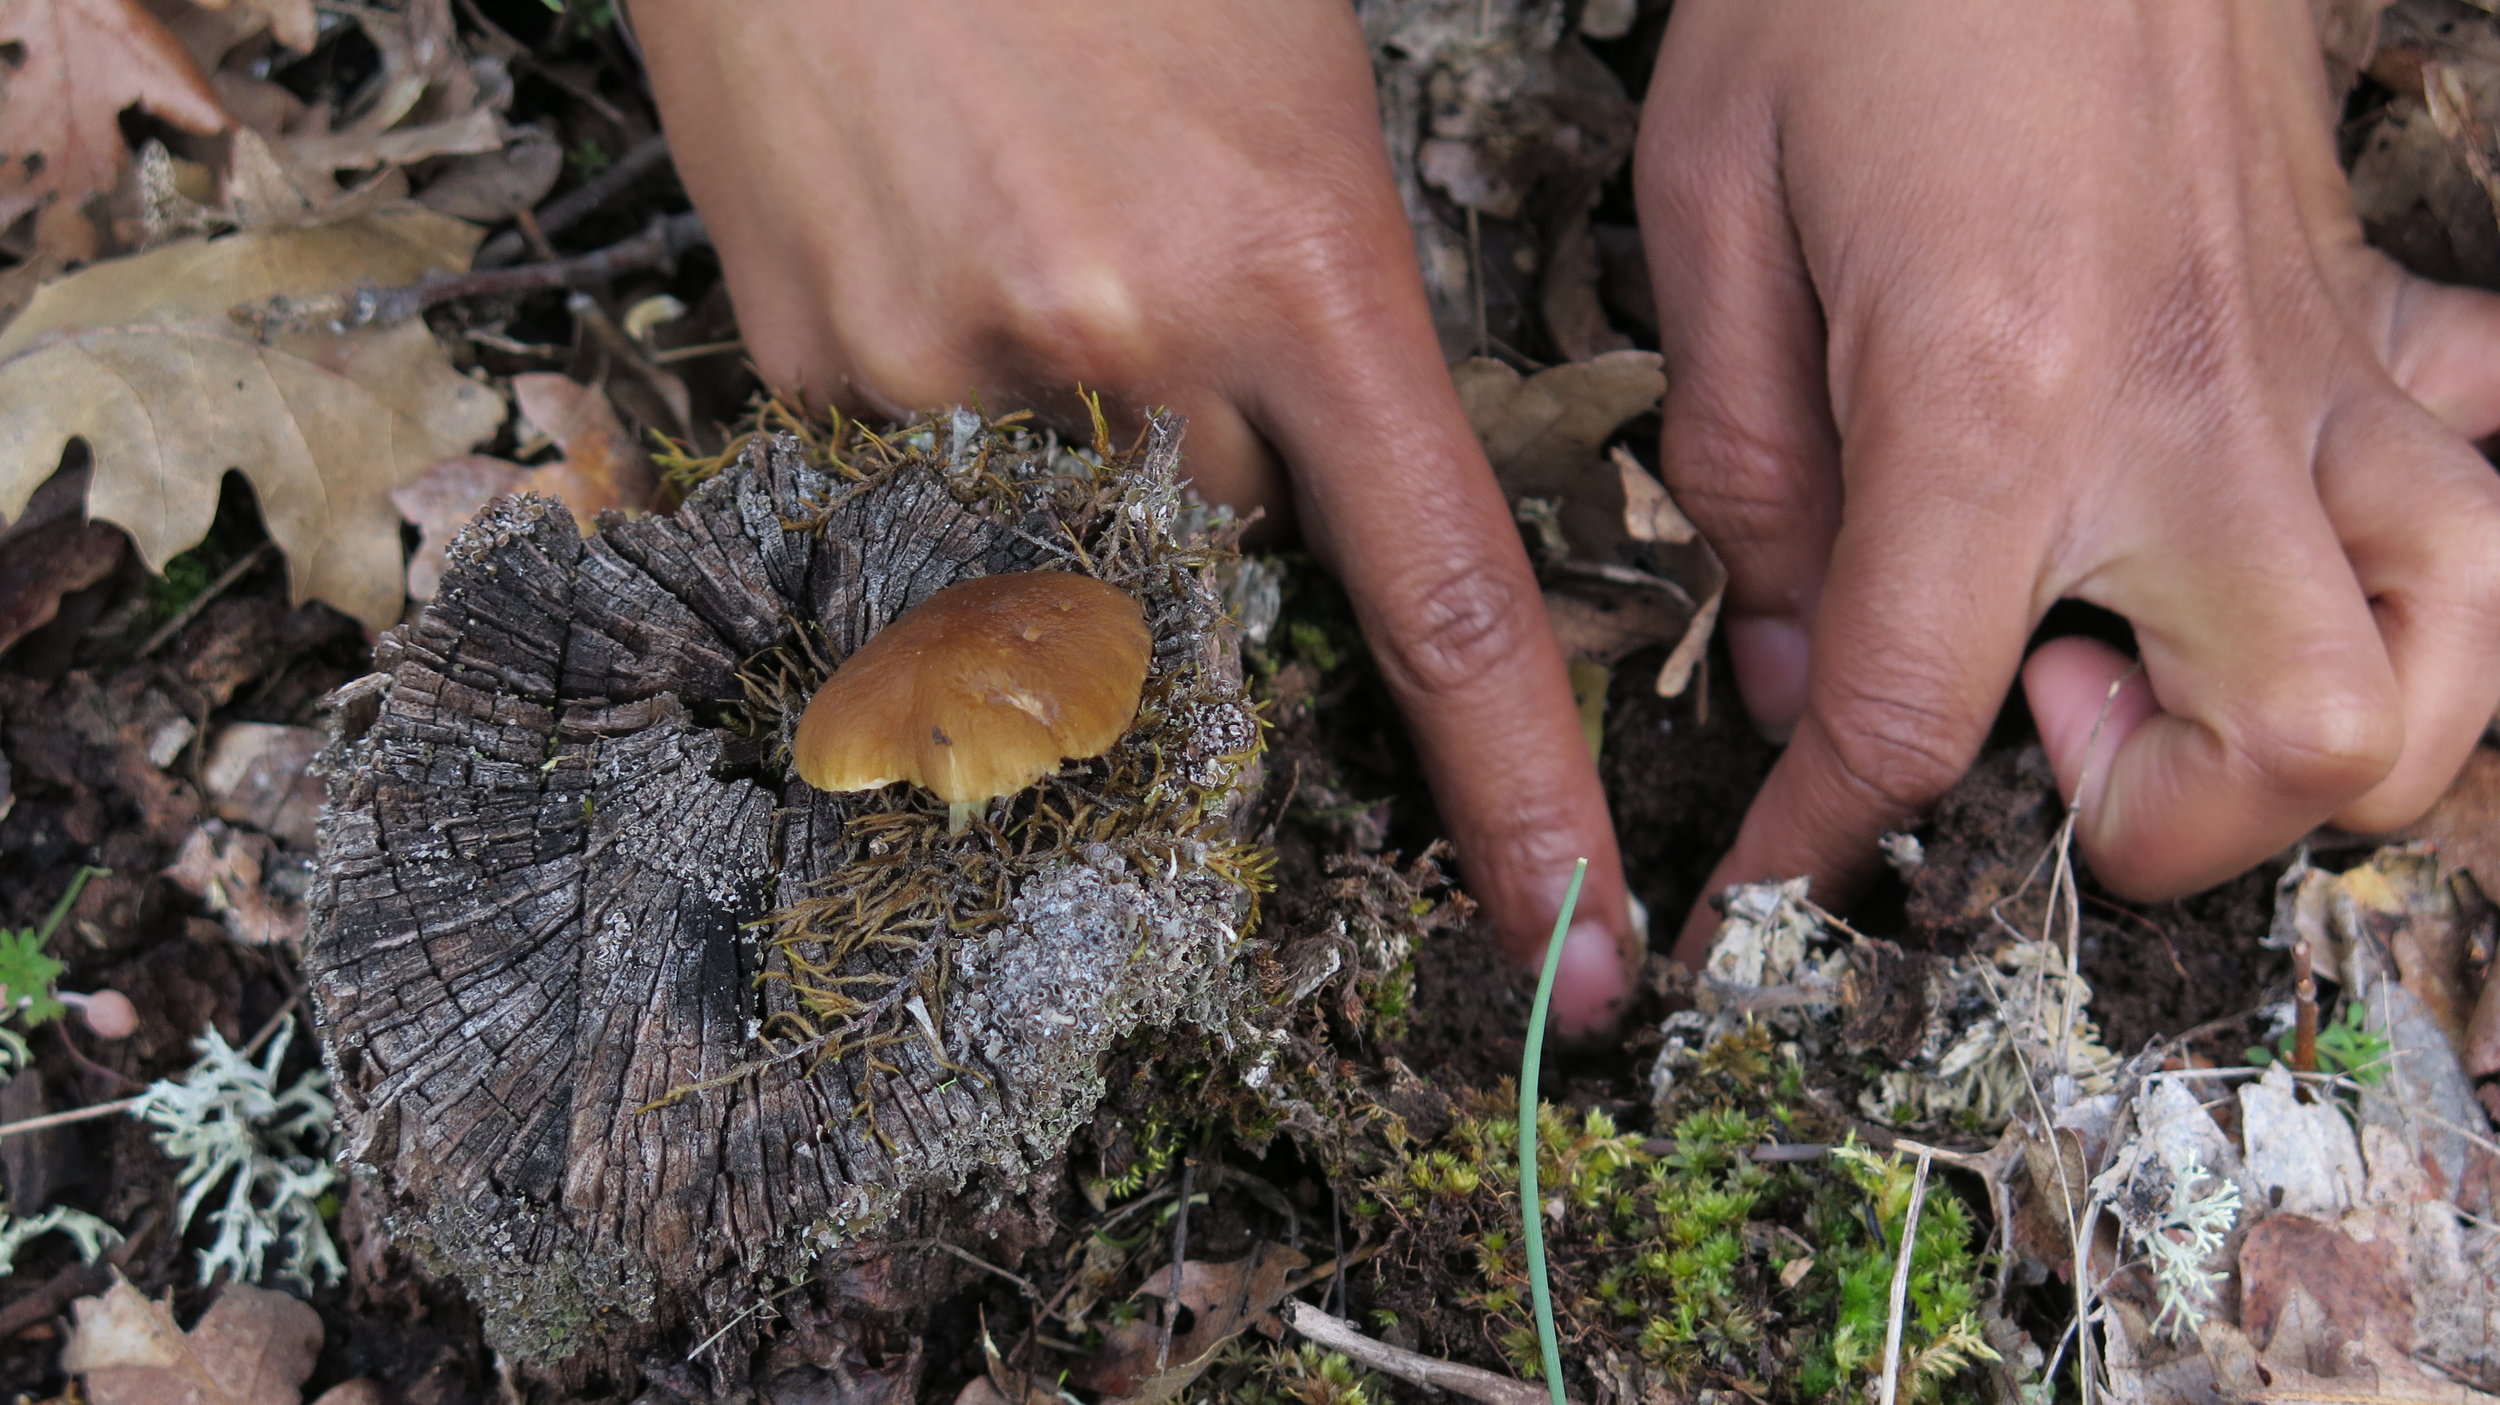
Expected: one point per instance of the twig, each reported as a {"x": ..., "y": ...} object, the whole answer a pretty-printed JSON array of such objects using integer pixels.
[
  {"x": 1180, "y": 1257},
  {"x": 579, "y": 203},
  {"x": 675, "y": 354},
  {"x": 981, "y": 1263},
  {"x": 76, "y": 1114},
  {"x": 1901, "y": 1284},
  {"x": 191, "y": 608},
  {"x": 2305, "y": 1002},
  {"x": 656, "y": 247},
  {"x": 1339, "y": 1335}
]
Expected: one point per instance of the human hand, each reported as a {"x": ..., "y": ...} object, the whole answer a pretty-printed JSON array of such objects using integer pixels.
[
  {"x": 918, "y": 201},
  {"x": 1972, "y": 307}
]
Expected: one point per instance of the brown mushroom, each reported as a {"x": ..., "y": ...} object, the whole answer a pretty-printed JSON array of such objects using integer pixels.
[{"x": 980, "y": 690}]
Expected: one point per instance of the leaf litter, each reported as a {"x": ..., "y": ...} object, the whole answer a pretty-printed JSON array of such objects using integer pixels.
[
  {"x": 2351, "y": 1263},
  {"x": 140, "y": 359}
]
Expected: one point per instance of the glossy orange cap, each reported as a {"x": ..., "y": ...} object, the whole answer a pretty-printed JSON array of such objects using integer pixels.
[{"x": 981, "y": 689}]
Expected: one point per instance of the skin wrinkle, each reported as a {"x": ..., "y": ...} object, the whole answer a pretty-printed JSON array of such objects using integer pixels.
[{"x": 2064, "y": 288}]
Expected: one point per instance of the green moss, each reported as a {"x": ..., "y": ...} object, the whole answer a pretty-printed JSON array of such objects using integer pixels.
[{"x": 1671, "y": 1252}]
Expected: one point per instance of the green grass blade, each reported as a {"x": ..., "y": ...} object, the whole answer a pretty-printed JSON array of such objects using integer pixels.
[{"x": 1531, "y": 1208}]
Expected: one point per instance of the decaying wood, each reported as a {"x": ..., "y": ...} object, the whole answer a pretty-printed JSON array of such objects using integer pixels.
[{"x": 531, "y": 950}]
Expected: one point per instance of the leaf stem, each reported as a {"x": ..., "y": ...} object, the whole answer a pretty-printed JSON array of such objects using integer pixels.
[{"x": 1531, "y": 1207}]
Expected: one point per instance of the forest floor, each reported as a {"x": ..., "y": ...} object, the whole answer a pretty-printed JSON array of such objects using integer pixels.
[{"x": 1718, "y": 1234}]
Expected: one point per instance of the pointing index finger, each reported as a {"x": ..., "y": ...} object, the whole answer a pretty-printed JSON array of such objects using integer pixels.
[{"x": 1396, "y": 495}]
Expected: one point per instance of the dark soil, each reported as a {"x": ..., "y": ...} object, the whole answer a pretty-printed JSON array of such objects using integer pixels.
[{"x": 2158, "y": 970}]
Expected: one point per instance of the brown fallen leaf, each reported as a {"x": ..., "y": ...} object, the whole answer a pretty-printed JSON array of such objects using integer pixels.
[
  {"x": 2465, "y": 823},
  {"x": 602, "y": 468},
  {"x": 1604, "y": 620},
  {"x": 223, "y": 868},
  {"x": 2308, "y": 1291},
  {"x": 426, "y": 73},
  {"x": 1226, "y": 1299},
  {"x": 83, "y": 62},
  {"x": 2370, "y": 1372},
  {"x": 442, "y": 501},
  {"x": 496, "y": 185},
  {"x": 252, "y": 1347},
  {"x": 259, "y": 774},
  {"x": 474, "y": 131},
  {"x": 324, "y": 426},
  {"x": 52, "y": 551},
  {"x": 1630, "y": 570},
  {"x": 1546, "y": 434},
  {"x": 292, "y": 22}
]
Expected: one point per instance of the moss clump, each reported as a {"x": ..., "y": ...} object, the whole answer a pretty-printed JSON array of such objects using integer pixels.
[{"x": 1668, "y": 1257}]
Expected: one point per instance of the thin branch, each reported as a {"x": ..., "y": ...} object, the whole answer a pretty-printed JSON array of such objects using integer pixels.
[
  {"x": 658, "y": 246},
  {"x": 978, "y": 1262},
  {"x": 1339, "y": 1335},
  {"x": 63, "y": 1119},
  {"x": 1180, "y": 1260},
  {"x": 581, "y": 202},
  {"x": 191, "y": 609}
]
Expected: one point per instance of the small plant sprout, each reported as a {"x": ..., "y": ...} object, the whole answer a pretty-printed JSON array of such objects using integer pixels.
[
  {"x": 27, "y": 972},
  {"x": 2183, "y": 1237},
  {"x": 2345, "y": 1046},
  {"x": 227, "y": 1124},
  {"x": 1531, "y": 1205}
]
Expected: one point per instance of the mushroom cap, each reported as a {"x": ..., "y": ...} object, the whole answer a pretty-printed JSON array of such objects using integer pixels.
[{"x": 981, "y": 689}]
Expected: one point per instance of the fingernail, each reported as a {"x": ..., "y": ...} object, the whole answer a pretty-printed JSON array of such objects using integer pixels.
[
  {"x": 1592, "y": 981},
  {"x": 1769, "y": 653}
]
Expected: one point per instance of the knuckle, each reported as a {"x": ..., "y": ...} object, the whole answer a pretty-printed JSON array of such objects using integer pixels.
[
  {"x": 1460, "y": 623},
  {"x": 909, "y": 368},
  {"x": 2019, "y": 361},
  {"x": 1894, "y": 748},
  {"x": 1738, "y": 485},
  {"x": 1075, "y": 321},
  {"x": 2326, "y": 743}
]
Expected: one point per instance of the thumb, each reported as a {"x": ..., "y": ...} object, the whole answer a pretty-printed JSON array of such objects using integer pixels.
[{"x": 2446, "y": 354}]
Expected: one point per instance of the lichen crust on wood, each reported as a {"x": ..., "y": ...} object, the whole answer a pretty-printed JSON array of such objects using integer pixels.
[{"x": 588, "y": 959}]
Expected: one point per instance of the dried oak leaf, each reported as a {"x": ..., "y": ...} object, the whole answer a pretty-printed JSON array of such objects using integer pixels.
[
  {"x": 141, "y": 358},
  {"x": 50, "y": 552},
  {"x": 1226, "y": 1300},
  {"x": 84, "y": 62},
  {"x": 291, "y": 22},
  {"x": 2371, "y": 1371},
  {"x": 602, "y": 468},
  {"x": 252, "y": 1347}
]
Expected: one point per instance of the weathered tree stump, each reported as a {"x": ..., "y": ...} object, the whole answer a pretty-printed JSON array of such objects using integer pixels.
[{"x": 629, "y": 1025}]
